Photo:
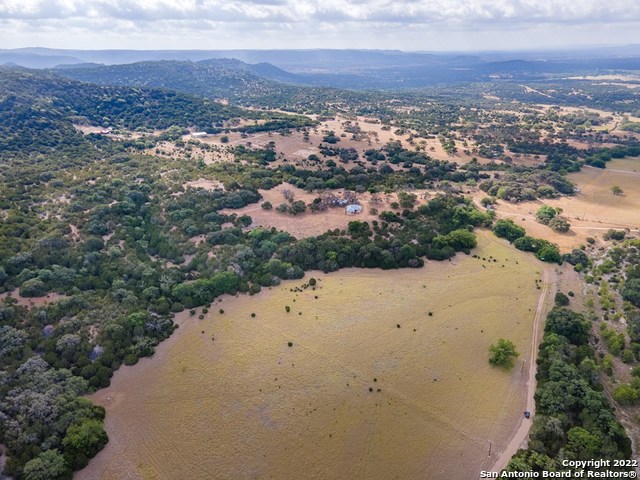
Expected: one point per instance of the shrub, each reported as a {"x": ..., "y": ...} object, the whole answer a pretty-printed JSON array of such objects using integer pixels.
[
  {"x": 33, "y": 288},
  {"x": 130, "y": 359},
  {"x": 559, "y": 224},
  {"x": 612, "y": 234},
  {"x": 486, "y": 201},
  {"x": 297, "y": 207},
  {"x": 576, "y": 257},
  {"x": 561, "y": 300},
  {"x": 545, "y": 213},
  {"x": 626, "y": 395}
]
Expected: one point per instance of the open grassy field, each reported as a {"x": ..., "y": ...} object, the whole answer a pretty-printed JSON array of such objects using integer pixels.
[
  {"x": 372, "y": 386},
  {"x": 591, "y": 211}
]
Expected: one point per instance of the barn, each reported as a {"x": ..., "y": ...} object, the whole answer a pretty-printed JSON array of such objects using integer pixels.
[{"x": 353, "y": 209}]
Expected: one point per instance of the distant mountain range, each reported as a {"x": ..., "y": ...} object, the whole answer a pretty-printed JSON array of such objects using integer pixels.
[
  {"x": 296, "y": 61},
  {"x": 226, "y": 74}
]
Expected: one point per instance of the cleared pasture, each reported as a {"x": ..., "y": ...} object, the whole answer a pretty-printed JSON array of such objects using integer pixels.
[
  {"x": 371, "y": 386},
  {"x": 591, "y": 211}
]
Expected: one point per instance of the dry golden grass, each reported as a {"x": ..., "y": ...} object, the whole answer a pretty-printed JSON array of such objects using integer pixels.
[
  {"x": 591, "y": 211},
  {"x": 226, "y": 397},
  {"x": 620, "y": 77}
]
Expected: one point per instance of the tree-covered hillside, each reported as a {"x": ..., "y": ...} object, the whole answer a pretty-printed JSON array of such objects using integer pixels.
[
  {"x": 220, "y": 78},
  {"x": 39, "y": 110}
]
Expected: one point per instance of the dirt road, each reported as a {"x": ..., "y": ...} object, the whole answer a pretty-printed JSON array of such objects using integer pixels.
[{"x": 548, "y": 280}]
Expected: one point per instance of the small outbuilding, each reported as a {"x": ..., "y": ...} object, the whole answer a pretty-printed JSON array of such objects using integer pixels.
[{"x": 353, "y": 209}]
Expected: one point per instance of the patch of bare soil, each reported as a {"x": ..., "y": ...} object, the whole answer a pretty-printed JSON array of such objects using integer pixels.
[
  {"x": 310, "y": 224},
  {"x": 205, "y": 184},
  {"x": 32, "y": 302}
]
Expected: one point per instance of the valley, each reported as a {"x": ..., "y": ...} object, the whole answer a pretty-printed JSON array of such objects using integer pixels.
[{"x": 241, "y": 271}]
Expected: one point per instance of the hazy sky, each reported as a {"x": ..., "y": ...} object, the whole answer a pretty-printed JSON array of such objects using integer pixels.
[{"x": 385, "y": 24}]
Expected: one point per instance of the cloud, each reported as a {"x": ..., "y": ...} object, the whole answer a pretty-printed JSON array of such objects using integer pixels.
[
  {"x": 308, "y": 23},
  {"x": 402, "y": 11}
]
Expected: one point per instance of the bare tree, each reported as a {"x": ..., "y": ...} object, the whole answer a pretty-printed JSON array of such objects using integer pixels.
[
  {"x": 288, "y": 194},
  {"x": 350, "y": 197}
]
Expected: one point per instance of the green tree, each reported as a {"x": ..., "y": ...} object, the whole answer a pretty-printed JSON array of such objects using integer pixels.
[
  {"x": 49, "y": 465},
  {"x": 549, "y": 253},
  {"x": 626, "y": 395},
  {"x": 407, "y": 200},
  {"x": 569, "y": 324},
  {"x": 559, "y": 224},
  {"x": 297, "y": 207},
  {"x": 631, "y": 291},
  {"x": 508, "y": 229},
  {"x": 530, "y": 460},
  {"x": 545, "y": 213},
  {"x": 487, "y": 201},
  {"x": 612, "y": 234},
  {"x": 460, "y": 239},
  {"x": 576, "y": 257},
  {"x": 33, "y": 288},
  {"x": 359, "y": 229},
  {"x": 503, "y": 353},
  {"x": 561, "y": 300},
  {"x": 616, "y": 190},
  {"x": 83, "y": 441},
  {"x": 581, "y": 444}
]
